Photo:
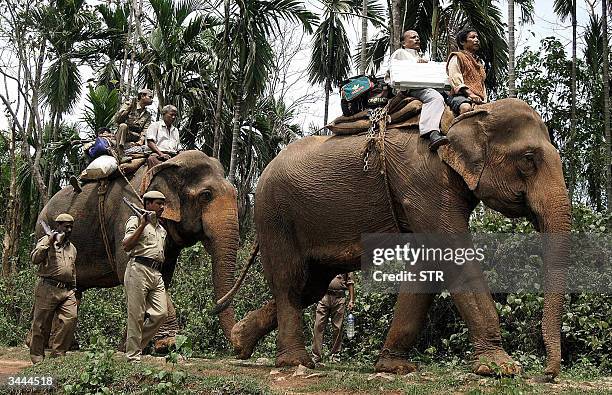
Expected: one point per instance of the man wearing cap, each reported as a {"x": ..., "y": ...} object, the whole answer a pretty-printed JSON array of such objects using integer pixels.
[
  {"x": 144, "y": 241},
  {"x": 132, "y": 120},
  {"x": 55, "y": 291}
]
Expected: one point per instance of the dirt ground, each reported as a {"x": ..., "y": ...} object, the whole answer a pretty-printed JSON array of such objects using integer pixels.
[{"x": 337, "y": 379}]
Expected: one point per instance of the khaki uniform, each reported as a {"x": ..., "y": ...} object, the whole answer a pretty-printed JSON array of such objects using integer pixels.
[
  {"x": 54, "y": 294},
  {"x": 331, "y": 306},
  {"x": 132, "y": 125},
  {"x": 144, "y": 287}
]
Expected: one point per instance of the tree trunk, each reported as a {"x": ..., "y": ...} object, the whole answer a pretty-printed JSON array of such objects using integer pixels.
[
  {"x": 434, "y": 30},
  {"x": 219, "y": 107},
  {"x": 12, "y": 225},
  {"x": 235, "y": 131},
  {"x": 123, "y": 68},
  {"x": 572, "y": 162},
  {"x": 396, "y": 22},
  {"x": 511, "y": 76},
  {"x": 364, "y": 35},
  {"x": 391, "y": 27},
  {"x": 606, "y": 106},
  {"x": 326, "y": 111}
]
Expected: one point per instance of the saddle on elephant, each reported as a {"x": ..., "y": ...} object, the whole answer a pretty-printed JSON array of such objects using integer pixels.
[{"x": 403, "y": 111}]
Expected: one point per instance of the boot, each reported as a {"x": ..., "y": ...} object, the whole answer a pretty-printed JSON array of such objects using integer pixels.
[
  {"x": 436, "y": 139},
  {"x": 76, "y": 184}
]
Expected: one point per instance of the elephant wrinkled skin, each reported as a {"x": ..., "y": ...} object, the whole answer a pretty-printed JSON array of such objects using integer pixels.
[
  {"x": 314, "y": 201},
  {"x": 200, "y": 206}
]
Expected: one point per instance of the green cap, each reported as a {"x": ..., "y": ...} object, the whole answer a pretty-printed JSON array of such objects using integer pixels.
[
  {"x": 64, "y": 218},
  {"x": 154, "y": 195}
]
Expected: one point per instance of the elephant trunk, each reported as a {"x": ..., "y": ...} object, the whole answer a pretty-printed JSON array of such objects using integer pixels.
[
  {"x": 223, "y": 235},
  {"x": 552, "y": 217}
]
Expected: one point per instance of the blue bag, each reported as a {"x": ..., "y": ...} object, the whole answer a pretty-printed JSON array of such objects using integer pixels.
[
  {"x": 356, "y": 87},
  {"x": 100, "y": 147}
]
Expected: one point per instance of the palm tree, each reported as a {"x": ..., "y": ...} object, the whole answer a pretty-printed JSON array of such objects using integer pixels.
[
  {"x": 567, "y": 8},
  {"x": 527, "y": 7},
  {"x": 606, "y": 107},
  {"x": 330, "y": 59},
  {"x": 251, "y": 58}
]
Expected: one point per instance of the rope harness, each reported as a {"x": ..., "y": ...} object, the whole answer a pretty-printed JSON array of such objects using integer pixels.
[
  {"x": 375, "y": 141},
  {"x": 102, "y": 189}
]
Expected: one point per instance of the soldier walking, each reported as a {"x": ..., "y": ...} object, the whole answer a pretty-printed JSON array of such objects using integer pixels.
[
  {"x": 55, "y": 291},
  {"x": 144, "y": 241}
]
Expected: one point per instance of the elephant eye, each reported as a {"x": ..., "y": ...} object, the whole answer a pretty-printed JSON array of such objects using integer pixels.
[
  {"x": 206, "y": 195},
  {"x": 527, "y": 164}
]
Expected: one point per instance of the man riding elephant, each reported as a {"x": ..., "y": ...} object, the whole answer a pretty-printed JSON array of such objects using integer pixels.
[
  {"x": 310, "y": 218},
  {"x": 200, "y": 205}
]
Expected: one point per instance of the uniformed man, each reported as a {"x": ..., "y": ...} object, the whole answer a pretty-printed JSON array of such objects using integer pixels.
[
  {"x": 163, "y": 137},
  {"x": 332, "y": 306},
  {"x": 55, "y": 291},
  {"x": 132, "y": 120},
  {"x": 144, "y": 241}
]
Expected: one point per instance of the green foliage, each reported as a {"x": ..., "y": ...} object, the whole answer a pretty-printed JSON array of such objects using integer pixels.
[
  {"x": 170, "y": 382},
  {"x": 102, "y": 105},
  {"x": 98, "y": 373}
]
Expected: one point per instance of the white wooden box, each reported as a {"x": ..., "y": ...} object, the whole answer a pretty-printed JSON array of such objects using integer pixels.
[{"x": 407, "y": 74}]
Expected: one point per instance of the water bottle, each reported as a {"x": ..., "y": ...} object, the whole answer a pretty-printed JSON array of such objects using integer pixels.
[{"x": 350, "y": 326}]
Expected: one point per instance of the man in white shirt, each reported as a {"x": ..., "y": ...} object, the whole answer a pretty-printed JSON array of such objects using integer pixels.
[
  {"x": 162, "y": 137},
  {"x": 433, "y": 102}
]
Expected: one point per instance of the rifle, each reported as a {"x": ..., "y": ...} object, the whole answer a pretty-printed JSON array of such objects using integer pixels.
[
  {"x": 49, "y": 232},
  {"x": 137, "y": 210}
]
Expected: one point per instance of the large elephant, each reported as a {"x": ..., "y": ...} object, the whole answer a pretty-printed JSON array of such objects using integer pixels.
[
  {"x": 200, "y": 206},
  {"x": 314, "y": 200}
]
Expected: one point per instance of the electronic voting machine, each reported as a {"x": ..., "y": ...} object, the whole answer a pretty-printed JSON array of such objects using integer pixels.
[{"x": 407, "y": 74}]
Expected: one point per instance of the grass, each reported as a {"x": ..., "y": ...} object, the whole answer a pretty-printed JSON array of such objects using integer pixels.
[{"x": 227, "y": 376}]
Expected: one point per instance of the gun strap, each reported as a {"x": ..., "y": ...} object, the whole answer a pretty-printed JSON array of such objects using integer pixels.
[{"x": 102, "y": 188}]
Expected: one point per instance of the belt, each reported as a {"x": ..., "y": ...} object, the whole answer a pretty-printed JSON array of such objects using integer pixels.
[
  {"x": 335, "y": 292},
  {"x": 55, "y": 283},
  {"x": 149, "y": 262}
]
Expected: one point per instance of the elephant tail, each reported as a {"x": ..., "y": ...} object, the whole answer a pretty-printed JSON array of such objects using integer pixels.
[{"x": 225, "y": 301}]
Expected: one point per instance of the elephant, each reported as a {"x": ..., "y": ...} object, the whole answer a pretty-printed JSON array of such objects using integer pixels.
[
  {"x": 201, "y": 205},
  {"x": 314, "y": 200}
]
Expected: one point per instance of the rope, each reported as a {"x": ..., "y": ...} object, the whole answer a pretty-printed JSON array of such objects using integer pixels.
[
  {"x": 379, "y": 118},
  {"x": 114, "y": 154},
  {"x": 102, "y": 188}
]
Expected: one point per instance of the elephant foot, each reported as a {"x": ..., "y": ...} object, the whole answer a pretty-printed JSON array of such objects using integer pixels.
[
  {"x": 390, "y": 362},
  {"x": 495, "y": 363},
  {"x": 163, "y": 344},
  {"x": 294, "y": 358},
  {"x": 247, "y": 332},
  {"x": 243, "y": 340}
]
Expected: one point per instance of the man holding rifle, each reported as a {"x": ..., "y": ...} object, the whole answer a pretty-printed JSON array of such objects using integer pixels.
[
  {"x": 55, "y": 291},
  {"x": 144, "y": 241},
  {"x": 133, "y": 120}
]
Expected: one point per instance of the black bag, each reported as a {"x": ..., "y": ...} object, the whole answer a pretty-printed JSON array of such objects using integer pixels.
[{"x": 377, "y": 95}]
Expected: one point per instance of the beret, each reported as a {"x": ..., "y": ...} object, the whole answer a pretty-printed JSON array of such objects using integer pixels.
[
  {"x": 154, "y": 195},
  {"x": 64, "y": 218}
]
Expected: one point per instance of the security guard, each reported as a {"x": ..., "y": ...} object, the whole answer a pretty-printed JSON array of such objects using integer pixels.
[
  {"x": 144, "y": 241},
  {"x": 55, "y": 291},
  {"x": 332, "y": 307},
  {"x": 133, "y": 120}
]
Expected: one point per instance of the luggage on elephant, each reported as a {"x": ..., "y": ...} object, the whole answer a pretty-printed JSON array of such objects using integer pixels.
[
  {"x": 362, "y": 92},
  {"x": 101, "y": 167}
]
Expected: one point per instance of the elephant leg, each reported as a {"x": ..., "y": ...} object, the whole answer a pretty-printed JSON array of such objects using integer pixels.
[
  {"x": 473, "y": 299},
  {"x": 254, "y": 326},
  {"x": 290, "y": 346},
  {"x": 409, "y": 317}
]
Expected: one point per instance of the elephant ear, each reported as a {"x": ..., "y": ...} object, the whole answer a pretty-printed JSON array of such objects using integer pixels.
[
  {"x": 465, "y": 152},
  {"x": 152, "y": 178}
]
